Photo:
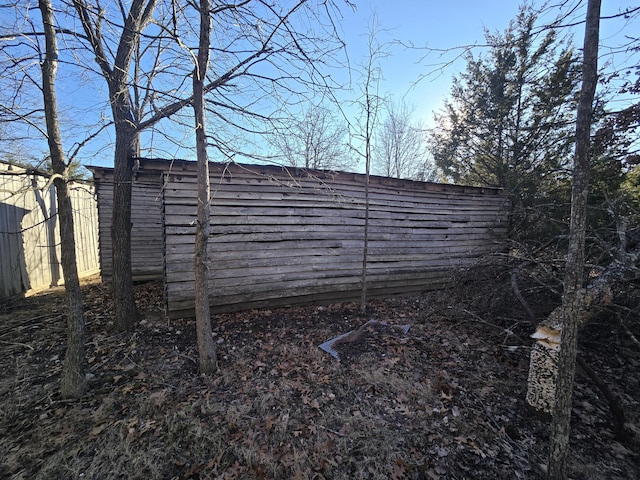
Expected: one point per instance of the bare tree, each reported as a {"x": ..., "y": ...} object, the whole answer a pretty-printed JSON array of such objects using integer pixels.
[
  {"x": 573, "y": 295},
  {"x": 115, "y": 69},
  {"x": 206, "y": 347},
  {"x": 30, "y": 108},
  {"x": 73, "y": 378},
  {"x": 265, "y": 54},
  {"x": 401, "y": 146},
  {"x": 316, "y": 140},
  {"x": 369, "y": 104}
]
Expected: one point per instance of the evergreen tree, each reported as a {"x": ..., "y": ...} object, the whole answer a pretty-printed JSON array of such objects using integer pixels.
[
  {"x": 509, "y": 121},
  {"x": 614, "y": 196}
]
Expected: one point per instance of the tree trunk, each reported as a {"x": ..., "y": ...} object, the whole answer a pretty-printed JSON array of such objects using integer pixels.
[
  {"x": 206, "y": 346},
  {"x": 127, "y": 141},
  {"x": 73, "y": 378},
  {"x": 365, "y": 247},
  {"x": 369, "y": 106},
  {"x": 125, "y": 310},
  {"x": 573, "y": 296}
]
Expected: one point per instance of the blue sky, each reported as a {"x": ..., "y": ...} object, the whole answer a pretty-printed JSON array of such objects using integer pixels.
[
  {"x": 440, "y": 25},
  {"x": 420, "y": 78},
  {"x": 408, "y": 72},
  {"x": 449, "y": 24}
]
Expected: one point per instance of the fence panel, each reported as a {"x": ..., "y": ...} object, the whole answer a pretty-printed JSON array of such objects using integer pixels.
[{"x": 30, "y": 258}]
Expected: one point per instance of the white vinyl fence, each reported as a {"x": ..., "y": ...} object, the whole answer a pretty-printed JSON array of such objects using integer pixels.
[{"x": 30, "y": 235}]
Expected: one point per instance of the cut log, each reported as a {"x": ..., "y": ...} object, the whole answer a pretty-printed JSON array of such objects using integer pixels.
[{"x": 543, "y": 368}]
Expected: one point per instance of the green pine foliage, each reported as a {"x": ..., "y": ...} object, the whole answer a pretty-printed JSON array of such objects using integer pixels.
[{"x": 510, "y": 121}]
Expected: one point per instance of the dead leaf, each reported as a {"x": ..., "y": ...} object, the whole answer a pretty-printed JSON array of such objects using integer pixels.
[
  {"x": 443, "y": 452},
  {"x": 95, "y": 431},
  {"x": 398, "y": 471},
  {"x": 270, "y": 422}
]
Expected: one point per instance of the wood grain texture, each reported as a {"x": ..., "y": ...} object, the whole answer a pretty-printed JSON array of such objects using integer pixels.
[{"x": 284, "y": 235}]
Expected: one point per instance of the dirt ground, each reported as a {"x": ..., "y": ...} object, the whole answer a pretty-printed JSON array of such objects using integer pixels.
[{"x": 445, "y": 400}]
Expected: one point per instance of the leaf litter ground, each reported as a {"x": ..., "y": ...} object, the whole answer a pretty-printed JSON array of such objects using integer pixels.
[{"x": 443, "y": 401}]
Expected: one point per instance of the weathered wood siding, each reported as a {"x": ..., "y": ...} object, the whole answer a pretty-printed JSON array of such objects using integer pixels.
[
  {"x": 30, "y": 235},
  {"x": 284, "y": 236},
  {"x": 147, "y": 250}
]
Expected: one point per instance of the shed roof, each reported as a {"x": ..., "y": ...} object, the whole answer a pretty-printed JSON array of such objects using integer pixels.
[{"x": 149, "y": 165}]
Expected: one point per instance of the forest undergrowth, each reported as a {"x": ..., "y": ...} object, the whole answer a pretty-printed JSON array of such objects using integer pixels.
[{"x": 445, "y": 400}]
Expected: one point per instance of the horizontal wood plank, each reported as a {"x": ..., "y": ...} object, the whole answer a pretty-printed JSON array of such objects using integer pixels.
[{"x": 285, "y": 235}]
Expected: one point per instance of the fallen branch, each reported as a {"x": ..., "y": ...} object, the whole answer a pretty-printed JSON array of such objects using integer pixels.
[
  {"x": 626, "y": 329},
  {"x": 17, "y": 344},
  {"x": 631, "y": 335},
  {"x": 516, "y": 291},
  {"x": 615, "y": 406},
  {"x": 331, "y": 431}
]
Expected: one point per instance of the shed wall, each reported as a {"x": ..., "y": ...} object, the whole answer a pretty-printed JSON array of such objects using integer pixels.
[
  {"x": 285, "y": 236},
  {"x": 147, "y": 250}
]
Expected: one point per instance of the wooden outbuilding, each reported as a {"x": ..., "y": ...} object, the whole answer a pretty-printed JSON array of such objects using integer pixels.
[{"x": 287, "y": 235}]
